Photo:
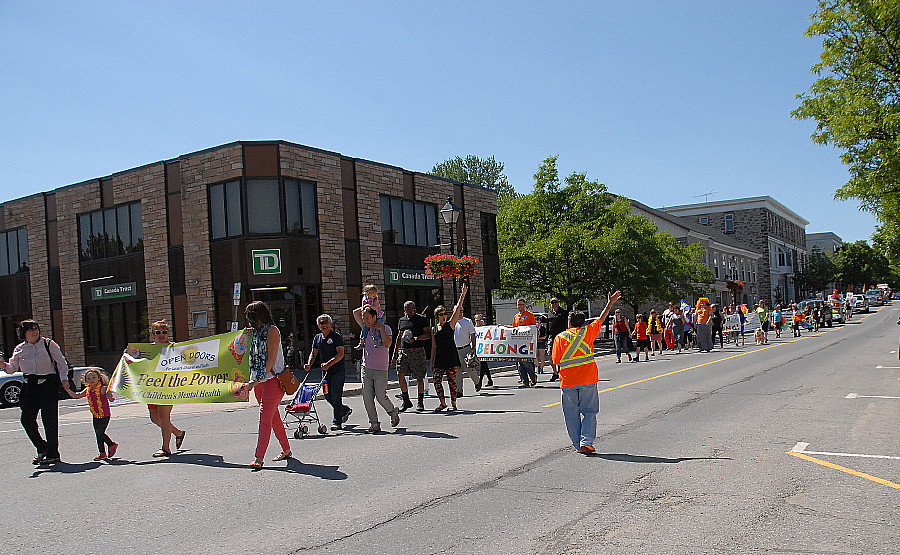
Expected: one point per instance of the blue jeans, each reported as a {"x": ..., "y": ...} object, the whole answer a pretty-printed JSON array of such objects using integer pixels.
[
  {"x": 526, "y": 371},
  {"x": 580, "y": 405}
]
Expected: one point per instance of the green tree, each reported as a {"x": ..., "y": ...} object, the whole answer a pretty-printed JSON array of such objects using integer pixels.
[
  {"x": 486, "y": 172},
  {"x": 856, "y": 101},
  {"x": 576, "y": 241},
  {"x": 816, "y": 275},
  {"x": 859, "y": 264}
]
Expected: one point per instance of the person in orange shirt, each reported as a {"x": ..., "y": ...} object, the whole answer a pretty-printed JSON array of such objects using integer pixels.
[
  {"x": 525, "y": 366},
  {"x": 703, "y": 324},
  {"x": 573, "y": 351},
  {"x": 643, "y": 339}
]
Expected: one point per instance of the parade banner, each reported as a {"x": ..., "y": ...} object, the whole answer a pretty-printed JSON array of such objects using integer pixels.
[
  {"x": 505, "y": 342},
  {"x": 208, "y": 370},
  {"x": 751, "y": 321}
]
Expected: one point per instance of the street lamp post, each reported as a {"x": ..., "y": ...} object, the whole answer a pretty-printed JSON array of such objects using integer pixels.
[{"x": 450, "y": 214}]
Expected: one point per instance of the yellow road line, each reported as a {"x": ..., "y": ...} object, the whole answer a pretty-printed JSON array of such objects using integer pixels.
[
  {"x": 704, "y": 364},
  {"x": 857, "y": 473}
]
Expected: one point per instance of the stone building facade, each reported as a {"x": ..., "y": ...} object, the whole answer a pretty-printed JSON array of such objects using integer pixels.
[
  {"x": 764, "y": 225},
  {"x": 171, "y": 240}
]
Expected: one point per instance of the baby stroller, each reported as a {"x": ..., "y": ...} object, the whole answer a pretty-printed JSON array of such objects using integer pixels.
[{"x": 302, "y": 409}]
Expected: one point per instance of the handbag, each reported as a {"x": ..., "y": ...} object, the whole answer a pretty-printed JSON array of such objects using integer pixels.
[
  {"x": 61, "y": 394},
  {"x": 288, "y": 382}
]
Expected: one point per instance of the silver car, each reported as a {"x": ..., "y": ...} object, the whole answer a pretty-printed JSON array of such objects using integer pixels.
[{"x": 11, "y": 384}]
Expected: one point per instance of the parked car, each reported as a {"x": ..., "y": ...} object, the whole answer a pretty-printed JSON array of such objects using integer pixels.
[
  {"x": 11, "y": 384},
  {"x": 875, "y": 297},
  {"x": 829, "y": 313},
  {"x": 860, "y": 303}
]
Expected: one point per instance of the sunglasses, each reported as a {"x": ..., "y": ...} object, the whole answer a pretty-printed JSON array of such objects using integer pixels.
[{"x": 161, "y": 332}]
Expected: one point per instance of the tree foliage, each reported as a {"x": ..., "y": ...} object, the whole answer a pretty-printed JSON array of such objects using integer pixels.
[
  {"x": 487, "y": 172},
  {"x": 576, "y": 241},
  {"x": 816, "y": 275},
  {"x": 859, "y": 264},
  {"x": 856, "y": 101}
]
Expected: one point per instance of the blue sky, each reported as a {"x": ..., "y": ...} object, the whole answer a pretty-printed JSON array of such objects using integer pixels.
[{"x": 660, "y": 100}]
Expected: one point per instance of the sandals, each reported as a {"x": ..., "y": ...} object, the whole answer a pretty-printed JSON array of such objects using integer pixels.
[
  {"x": 283, "y": 456},
  {"x": 162, "y": 453},
  {"x": 180, "y": 439},
  {"x": 257, "y": 464},
  {"x": 440, "y": 408}
]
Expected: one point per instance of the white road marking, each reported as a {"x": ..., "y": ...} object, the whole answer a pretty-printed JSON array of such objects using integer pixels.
[
  {"x": 858, "y": 396},
  {"x": 889, "y": 367},
  {"x": 800, "y": 447}
]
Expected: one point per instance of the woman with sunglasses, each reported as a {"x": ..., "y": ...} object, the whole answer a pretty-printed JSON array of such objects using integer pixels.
[
  {"x": 444, "y": 356},
  {"x": 45, "y": 369},
  {"x": 161, "y": 415}
]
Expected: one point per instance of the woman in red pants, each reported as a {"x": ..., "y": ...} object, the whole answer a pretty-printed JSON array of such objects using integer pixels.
[{"x": 266, "y": 360}]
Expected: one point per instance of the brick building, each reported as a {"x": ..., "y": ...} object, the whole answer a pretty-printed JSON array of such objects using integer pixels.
[
  {"x": 764, "y": 225},
  {"x": 300, "y": 228}
]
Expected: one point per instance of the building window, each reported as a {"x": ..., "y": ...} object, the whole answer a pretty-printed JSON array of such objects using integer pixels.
[
  {"x": 489, "y": 233},
  {"x": 729, "y": 223},
  {"x": 111, "y": 232},
  {"x": 300, "y": 207},
  {"x": 225, "y": 210},
  {"x": 703, "y": 220},
  {"x": 753, "y": 272},
  {"x": 263, "y": 206},
  {"x": 108, "y": 327},
  {"x": 407, "y": 222},
  {"x": 13, "y": 251},
  {"x": 716, "y": 265}
]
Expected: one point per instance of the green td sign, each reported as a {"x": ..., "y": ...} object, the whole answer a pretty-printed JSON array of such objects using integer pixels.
[
  {"x": 266, "y": 261},
  {"x": 414, "y": 278},
  {"x": 113, "y": 291}
]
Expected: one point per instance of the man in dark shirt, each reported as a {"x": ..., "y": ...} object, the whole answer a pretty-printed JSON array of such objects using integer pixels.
[
  {"x": 413, "y": 331},
  {"x": 329, "y": 347},
  {"x": 557, "y": 321}
]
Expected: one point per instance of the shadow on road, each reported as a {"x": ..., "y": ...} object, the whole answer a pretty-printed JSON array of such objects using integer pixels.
[
  {"x": 429, "y": 435},
  {"x": 625, "y": 457},
  {"x": 203, "y": 459},
  {"x": 65, "y": 468}
]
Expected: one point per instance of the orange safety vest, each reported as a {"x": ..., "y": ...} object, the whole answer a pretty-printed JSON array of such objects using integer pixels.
[{"x": 576, "y": 362}]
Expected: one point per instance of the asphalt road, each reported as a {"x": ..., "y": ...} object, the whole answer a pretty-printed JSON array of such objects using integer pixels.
[{"x": 694, "y": 456}]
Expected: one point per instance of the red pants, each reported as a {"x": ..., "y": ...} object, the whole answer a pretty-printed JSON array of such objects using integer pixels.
[{"x": 269, "y": 394}]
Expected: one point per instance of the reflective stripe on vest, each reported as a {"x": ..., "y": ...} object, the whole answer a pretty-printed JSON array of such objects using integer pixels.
[{"x": 576, "y": 343}]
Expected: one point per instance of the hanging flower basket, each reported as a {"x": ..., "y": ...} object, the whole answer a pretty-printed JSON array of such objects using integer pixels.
[
  {"x": 736, "y": 286},
  {"x": 441, "y": 266},
  {"x": 467, "y": 266}
]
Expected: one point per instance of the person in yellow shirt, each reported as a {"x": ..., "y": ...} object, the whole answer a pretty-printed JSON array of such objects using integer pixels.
[{"x": 573, "y": 351}]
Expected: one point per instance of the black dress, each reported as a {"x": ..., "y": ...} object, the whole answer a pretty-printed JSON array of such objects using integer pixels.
[{"x": 446, "y": 355}]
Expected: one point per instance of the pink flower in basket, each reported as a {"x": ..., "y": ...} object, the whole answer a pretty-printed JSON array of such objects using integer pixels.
[
  {"x": 467, "y": 266},
  {"x": 441, "y": 265}
]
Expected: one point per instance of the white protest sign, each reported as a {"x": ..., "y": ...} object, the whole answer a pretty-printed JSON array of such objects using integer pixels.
[
  {"x": 505, "y": 342},
  {"x": 751, "y": 321}
]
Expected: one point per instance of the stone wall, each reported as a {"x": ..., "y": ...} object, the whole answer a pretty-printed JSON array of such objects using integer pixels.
[
  {"x": 198, "y": 171},
  {"x": 29, "y": 213},
  {"x": 324, "y": 169}
]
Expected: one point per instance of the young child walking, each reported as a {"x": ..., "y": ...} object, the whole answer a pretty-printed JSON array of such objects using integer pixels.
[
  {"x": 97, "y": 392},
  {"x": 643, "y": 338},
  {"x": 370, "y": 299}
]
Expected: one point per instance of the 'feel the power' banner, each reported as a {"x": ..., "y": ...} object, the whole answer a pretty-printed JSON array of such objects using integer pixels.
[
  {"x": 505, "y": 342},
  {"x": 209, "y": 370}
]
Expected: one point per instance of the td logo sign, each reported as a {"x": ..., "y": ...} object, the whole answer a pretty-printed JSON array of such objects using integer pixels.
[{"x": 266, "y": 261}]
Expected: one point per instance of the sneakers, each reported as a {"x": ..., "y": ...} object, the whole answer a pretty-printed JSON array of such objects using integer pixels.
[
  {"x": 336, "y": 426},
  {"x": 374, "y": 429},
  {"x": 101, "y": 457},
  {"x": 346, "y": 416},
  {"x": 112, "y": 449},
  {"x": 38, "y": 458},
  {"x": 406, "y": 406},
  {"x": 395, "y": 417},
  {"x": 586, "y": 449},
  {"x": 420, "y": 407},
  {"x": 524, "y": 386},
  {"x": 49, "y": 460}
]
